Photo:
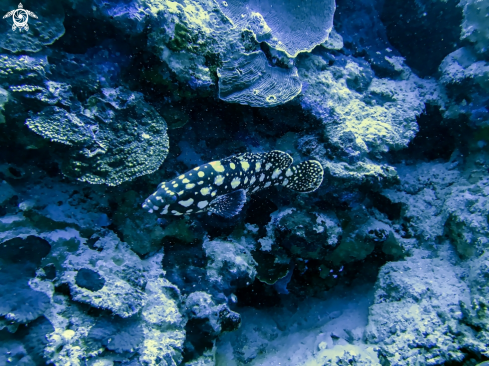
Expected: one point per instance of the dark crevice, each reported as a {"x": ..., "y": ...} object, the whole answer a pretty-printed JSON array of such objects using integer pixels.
[
  {"x": 423, "y": 32},
  {"x": 435, "y": 139}
]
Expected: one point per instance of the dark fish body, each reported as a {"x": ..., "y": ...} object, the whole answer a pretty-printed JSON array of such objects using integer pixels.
[{"x": 221, "y": 186}]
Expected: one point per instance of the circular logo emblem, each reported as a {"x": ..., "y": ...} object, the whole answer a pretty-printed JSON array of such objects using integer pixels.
[{"x": 20, "y": 17}]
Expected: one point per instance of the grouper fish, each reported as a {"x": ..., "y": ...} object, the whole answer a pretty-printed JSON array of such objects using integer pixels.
[{"x": 221, "y": 186}]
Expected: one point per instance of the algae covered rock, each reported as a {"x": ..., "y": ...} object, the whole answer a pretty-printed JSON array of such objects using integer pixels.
[
  {"x": 208, "y": 319},
  {"x": 3, "y": 101},
  {"x": 417, "y": 310},
  {"x": 229, "y": 262},
  {"x": 141, "y": 316},
  {"x": 118, "y": 137},
  {"x": 465, "y": 77},
  {"x": 21, "y": 70},
  {"x": 370, "y": 114},
  {"x": 307, "y": 235},
  {"x": 103, "y": 278},
  {"x": 474, "y": 26}
]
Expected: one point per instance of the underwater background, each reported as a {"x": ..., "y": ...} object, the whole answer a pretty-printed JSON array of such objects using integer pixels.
[{"x": 370, "y": 248}]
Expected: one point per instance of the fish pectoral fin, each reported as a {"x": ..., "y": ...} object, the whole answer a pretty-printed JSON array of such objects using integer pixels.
[{"x": 228, "y": 205}]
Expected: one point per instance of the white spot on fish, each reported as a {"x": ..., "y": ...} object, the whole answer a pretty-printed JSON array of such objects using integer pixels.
[
  {"x": 200, "y": 182},
  {"x": 190, "y": 186},
  {"x": 268, "y": 166},
  {"x": 213, "y": 193},
  {"x": 165, "y": 210},
  {"x": 267, "y": 184},
  {"x": 150, "y": 211},
  {"x": 205, "y": 191},
  {"x": 252, "y": 180},
  {"x": 197, "y": 168},
  {"x": 246, "y": 180},
  {"x": 181, "y": 176},
  {"x": 156, "y": 208},
  {"x": 235, "y": 182},
  {"x": 255, "y": 189},
  {"x": 158, "y": 198},
  {"x": 185, "y": 181},
  {"x": 175, "y": 185},
  {"x": 232, "y": 166},
  {"x": 257, "y": 166},
  {"x": 284, "y": 183},
  {"x": 218, "y": 180},
  {"x": 276, "y": 173},
  {"x": 289, "y": 172},
  {"x": 176, "y": 213},
  {"x": 189, "y": 211},
  {"x": 186, "y": 203},
  {"x": 217, "y": 166},
  {"x": 262, "y": 176},
  {"x": 245, "y": 165},
  {"x": 200, "y": 174},
  {"x": 202, "y": 204},
  {"x": 180, "y": 193}
]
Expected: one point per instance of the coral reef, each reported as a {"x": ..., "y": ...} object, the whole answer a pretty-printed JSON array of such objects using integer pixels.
[{"x": 384, "y": 262}]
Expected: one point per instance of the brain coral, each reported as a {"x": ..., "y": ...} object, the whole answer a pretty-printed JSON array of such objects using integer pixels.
[
  {"x": 118, "y": 137},
  {"x": 289, "y": 26}
]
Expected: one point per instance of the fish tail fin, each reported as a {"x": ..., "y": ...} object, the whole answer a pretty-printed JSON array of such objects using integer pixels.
[{"x": 304, "y": 177}]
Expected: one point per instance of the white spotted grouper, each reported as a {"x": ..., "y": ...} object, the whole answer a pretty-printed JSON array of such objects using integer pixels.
[{"x": 221, "y": 186}]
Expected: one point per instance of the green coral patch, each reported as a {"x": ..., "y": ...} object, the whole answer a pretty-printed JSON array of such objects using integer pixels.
[{"x": 118, "y": 138}]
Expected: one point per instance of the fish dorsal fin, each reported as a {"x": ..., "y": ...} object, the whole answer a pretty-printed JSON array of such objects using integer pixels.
[
  {"x": 228, "y": 205},
  {"x": 278, "y": 159}
]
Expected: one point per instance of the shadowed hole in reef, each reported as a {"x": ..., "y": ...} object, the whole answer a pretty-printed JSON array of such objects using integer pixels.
[
  {"x": 385, "y": 205},
  {"x": 83, "y": 32},
  {"x": 258, "y": 211},
  {"x": 434, "y": 140},
  {"x": 423, "y": 32},
  {"x": 198, "y": 338},
  {"x": 258, "y": 295},
  {"x": 307, "y": 280},
  {"x": 15, "y": 172},
  {"x": 185, "y": 265},
  {"x": 216, "y": 226}
]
